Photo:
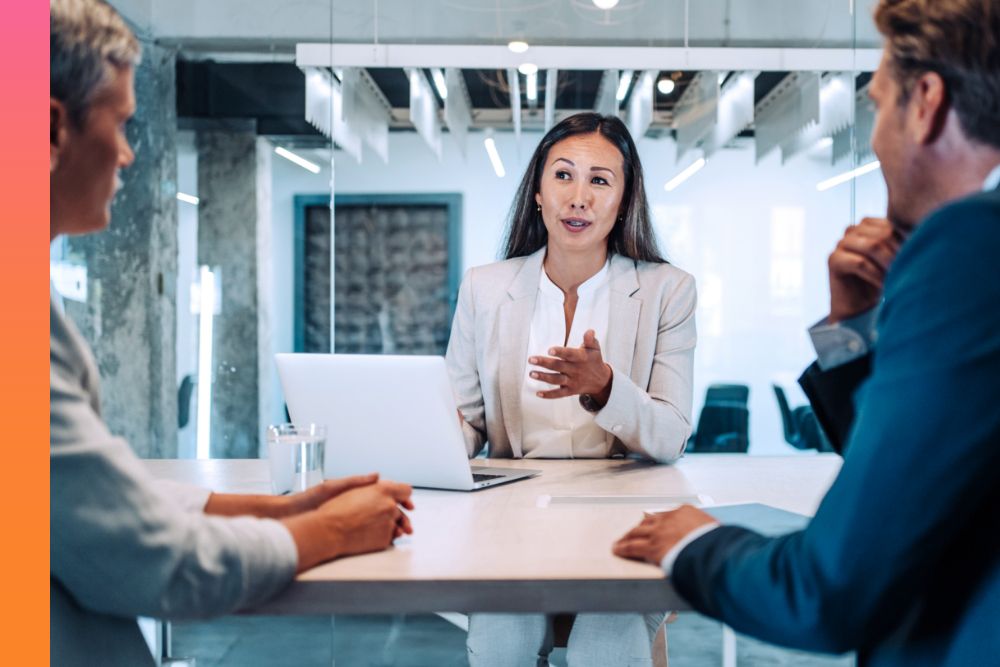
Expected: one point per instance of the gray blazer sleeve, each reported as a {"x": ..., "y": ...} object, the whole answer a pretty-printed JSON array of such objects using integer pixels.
[
  {"x": 463, "y": 368},
  {"x": 121, "y": 546},
  {"x": 655, "y": 421}
]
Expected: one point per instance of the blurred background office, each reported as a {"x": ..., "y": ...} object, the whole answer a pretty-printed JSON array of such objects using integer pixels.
[{"x": 316, "y": 175}]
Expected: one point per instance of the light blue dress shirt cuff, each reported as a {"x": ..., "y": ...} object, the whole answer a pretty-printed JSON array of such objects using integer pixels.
[
  {"x": 667, "y": 564},
  {"x": 844, "y": 341}
]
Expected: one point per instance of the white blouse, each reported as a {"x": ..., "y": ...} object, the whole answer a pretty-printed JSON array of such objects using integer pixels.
[{"x": 559, "y": 428}]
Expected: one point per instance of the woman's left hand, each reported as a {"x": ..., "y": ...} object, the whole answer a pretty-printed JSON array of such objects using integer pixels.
[{"x": 575, "y": 370}]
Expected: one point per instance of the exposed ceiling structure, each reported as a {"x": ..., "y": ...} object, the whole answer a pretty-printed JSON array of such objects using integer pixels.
[
  {"x": 251, "y": 27},
  {"x": 245, "y": 62}
]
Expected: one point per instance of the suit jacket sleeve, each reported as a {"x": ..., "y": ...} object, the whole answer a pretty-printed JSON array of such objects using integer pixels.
[
  {"x": 655, "y": 421},
  {"x": 120, "y": 545},
  {"x": 463, "y": 368},
  {"x": 831, "y": 394},
  {"x": 923, "y": 455}
]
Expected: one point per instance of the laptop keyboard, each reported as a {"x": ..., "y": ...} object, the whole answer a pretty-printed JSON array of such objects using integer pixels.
[{"x": 482, "y": 477}]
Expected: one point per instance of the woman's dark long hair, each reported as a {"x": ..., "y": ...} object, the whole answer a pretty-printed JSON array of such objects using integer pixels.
[{"x": 632, "y": 234}]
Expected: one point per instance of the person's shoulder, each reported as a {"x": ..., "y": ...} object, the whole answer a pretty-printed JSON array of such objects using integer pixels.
[
  {"x": 951, "y": 255},
  {"x": 502, "y": 268},
  {"x": 965, "y": 234},
  {"x": 663, "y": 276},
  {"x": 497, "y": 270},
  {"x": 489, "y": 282},
  {"x": 979, "y": 212}
]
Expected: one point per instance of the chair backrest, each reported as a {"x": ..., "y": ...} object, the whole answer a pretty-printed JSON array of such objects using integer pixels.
[
  {"x": 723, "y": 426},
  {"x": 810, "y": 432},
  {"x": 736, "y": 393},
  {"x": 788, "y": 424},
  {"x": 184, "y": 393}
]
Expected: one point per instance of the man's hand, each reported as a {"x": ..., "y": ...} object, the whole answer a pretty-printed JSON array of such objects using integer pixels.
[
  {"x": 575, "y": 370},
  {"x": 315, "y": 496},
  {"x": 280, "y": 507},
  {"x": 658, "y": 533},
  {"x": 858, "y": 266},
  {"x": 363, "y": 519}
]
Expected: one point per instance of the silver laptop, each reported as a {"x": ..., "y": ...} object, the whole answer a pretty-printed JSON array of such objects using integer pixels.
[{"x": 394, "y": 415}]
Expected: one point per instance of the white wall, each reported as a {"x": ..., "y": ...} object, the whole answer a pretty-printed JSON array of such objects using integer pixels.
[{"x": 755, "y": 237}]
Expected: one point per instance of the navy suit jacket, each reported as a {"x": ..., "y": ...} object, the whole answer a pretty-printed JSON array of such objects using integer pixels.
[
  {"x": 831, "y": 395},
  {"x": 902, "y": 560}
]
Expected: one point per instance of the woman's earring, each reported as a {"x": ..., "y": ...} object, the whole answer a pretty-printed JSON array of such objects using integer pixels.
[{"x": 538, "y": 207}]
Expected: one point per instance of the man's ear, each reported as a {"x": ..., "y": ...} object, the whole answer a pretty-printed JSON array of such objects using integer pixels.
[
  {"x": 929, "y": 107},
  {"x": 58, "y": 131}
]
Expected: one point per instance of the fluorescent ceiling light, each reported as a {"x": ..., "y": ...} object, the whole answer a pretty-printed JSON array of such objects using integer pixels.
[
  {"x": 684, "y": 175},
  {"x": 301, "y": 161},
  {"x": 491, "y": 150},
  {"x": 665, "y": 85},
  {"x": 845, "y": 177},
  {"x": 187, "y": 199},
  {"x": 605, "y": 4},
  {"x": 531, "y": 87},
  {"x": 439, "y": 83},
  {"x": 527, "y": 69},
  {"x": 623, "y": 82},
  {"x": 518, "y": 46}
]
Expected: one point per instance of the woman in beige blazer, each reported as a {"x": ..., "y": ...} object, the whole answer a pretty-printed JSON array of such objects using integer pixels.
[{"x": 579, "y": 344}]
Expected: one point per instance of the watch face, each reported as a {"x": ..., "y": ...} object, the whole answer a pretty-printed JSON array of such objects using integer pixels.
[{"x": 588, "y": 403}]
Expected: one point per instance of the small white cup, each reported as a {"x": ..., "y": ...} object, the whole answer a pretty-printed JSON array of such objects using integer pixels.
[{"x": 295, "y": 453}]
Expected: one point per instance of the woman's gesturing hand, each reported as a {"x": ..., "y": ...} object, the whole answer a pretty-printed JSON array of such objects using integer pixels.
[{"x": 575, "y": 370}]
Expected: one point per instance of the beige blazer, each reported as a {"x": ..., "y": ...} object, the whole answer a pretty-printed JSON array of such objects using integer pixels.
[{"x": 650, "y": 348}]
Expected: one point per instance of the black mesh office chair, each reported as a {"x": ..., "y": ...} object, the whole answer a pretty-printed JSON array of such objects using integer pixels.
[
  {"x": 184, "y": 394},
  {"x": 718, "y": 393},
  {"x": 724, "y": 422},
  {"x": 800, "y": 426}
]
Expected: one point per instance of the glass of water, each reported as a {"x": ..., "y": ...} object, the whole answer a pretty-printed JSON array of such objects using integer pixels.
[{"x": 295, "y": 453}]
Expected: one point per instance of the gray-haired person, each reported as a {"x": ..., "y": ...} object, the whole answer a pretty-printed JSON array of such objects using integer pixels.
[{"x": 123, "y": 544}]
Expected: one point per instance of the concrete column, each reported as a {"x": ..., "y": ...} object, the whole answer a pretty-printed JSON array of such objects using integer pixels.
[
  {"x": 234, "y": 237},
  {"x": 130, "y": 310}
]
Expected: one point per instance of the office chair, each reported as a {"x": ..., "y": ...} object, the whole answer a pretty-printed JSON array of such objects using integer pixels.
[
  {"x": 716, "y": 393},
  {"x": 184, "y": 393},
  {"x": 800, "y": 426},
  {"x": 724, "y": 422}
]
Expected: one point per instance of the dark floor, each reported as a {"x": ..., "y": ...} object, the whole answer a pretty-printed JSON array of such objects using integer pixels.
[{"x": 422, "y": 641}]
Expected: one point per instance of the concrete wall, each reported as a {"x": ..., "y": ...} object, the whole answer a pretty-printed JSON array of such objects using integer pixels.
[
  {"x": 129, "y": 315},
  {"x": 234, "y": 237}
]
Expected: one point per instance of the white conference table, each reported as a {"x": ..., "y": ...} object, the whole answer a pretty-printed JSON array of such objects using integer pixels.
[{"x": 541, "y": 545}]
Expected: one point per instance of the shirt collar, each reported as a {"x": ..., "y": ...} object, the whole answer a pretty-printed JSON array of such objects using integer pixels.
[
  {"x": 588, "y": 287},
  {"x": 993, "y": 180}
]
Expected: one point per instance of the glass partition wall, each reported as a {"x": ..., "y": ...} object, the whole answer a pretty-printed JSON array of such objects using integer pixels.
[
  {"x": 750, "y": 118},
  {"x": 318, "y": 175}
]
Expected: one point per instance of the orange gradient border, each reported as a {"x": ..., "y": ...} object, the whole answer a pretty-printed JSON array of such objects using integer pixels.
[{"x": 24, "y": 619}]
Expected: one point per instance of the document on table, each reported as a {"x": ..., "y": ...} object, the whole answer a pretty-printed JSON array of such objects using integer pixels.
[
  {"x": 664, "y": 503},
  {"x": 763, "y": 519}
]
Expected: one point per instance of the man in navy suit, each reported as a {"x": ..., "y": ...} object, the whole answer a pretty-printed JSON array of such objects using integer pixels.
[{"x": 902, "y": 561}]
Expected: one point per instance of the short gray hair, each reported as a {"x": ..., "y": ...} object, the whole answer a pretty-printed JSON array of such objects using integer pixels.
[{"x": 86, "y": 38}]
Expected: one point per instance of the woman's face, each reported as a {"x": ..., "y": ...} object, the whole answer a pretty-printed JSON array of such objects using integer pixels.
[{"x": 580, "y": 192}]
